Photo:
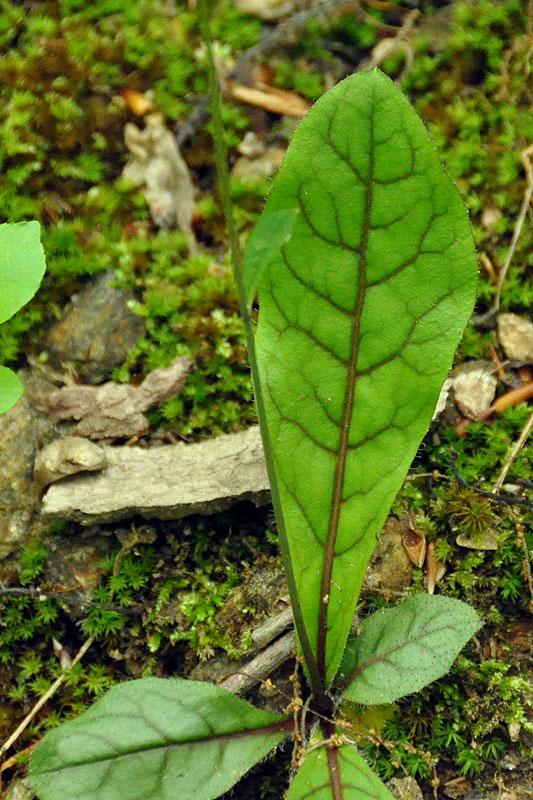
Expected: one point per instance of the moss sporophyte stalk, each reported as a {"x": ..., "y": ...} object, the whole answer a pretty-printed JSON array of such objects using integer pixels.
[{"x": 363, "y": 292}]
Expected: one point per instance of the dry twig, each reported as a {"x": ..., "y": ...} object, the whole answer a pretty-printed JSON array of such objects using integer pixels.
[{"x": 522, "y": 439}]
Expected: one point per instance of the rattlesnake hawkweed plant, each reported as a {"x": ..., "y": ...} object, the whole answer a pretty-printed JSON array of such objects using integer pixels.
[
  {"x": 365, "y": 271},
  {"x": 22, "y": 267}
]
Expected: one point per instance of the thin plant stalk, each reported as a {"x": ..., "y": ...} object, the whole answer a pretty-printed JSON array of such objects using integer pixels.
[{"x": 316, "y": 681}]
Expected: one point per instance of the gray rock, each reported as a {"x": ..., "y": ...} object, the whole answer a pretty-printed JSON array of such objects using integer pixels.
[
  {"x": 405, "y": 789},
  {"x": 76, "y": 565},
  {"x": 166, "y": 482},
  {"x": 516, "y": 337},
  {"x": 97, "y": 330},
  {"x": 65, "y": 457},
  {"x": 22, "y": 433}
]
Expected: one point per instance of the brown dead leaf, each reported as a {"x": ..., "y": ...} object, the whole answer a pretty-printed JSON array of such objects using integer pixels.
[
  {"x": 67, "y": 456},
  {"x": 414, "y": 541},
  {"x": 137, "y": 102},
  {"x": 65, "y": 661},
  {"x": 435, "y": 569}
]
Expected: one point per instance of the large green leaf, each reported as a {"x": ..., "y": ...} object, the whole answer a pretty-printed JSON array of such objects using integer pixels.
[
  {"x": 155, "y": 739},
  {"x": 401, "y": 650},
  {"x": 22, "y": 265},
  {"x": 360, "y": 315},
  {"x": 11, "y": 389},
  {"x": 337, "y": 773}
]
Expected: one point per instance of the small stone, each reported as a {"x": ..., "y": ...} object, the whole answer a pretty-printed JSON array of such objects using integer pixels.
[
  {"x": 261, "y": 168},
  {"x": 516, "y": 337},
  {"x": 251, "y": 146},
  {"x": 97, "y": 330},
  {"x": 76, "y": 564},
  {"x": 490, "y": 217},
  {"x": 514, "y": 729},
  {"x": 486, "y": 540},
  {"x": 65, "y": 457},
  {"x": 474, "y": 384},
  {"x": 405, "y": 789}
]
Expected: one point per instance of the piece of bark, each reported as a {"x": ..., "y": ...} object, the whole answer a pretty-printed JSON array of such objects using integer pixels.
[
  {"x": 114, "y": 410},
  {"x": 156, "y": 165},
  {"x": 165, "y": 482},
  {"x": 67, "y": 456}
]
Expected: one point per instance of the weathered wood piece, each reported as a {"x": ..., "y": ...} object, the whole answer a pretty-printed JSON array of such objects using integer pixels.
[
  {"x": 114, "y": 410},
  {"x": 65, "y": 457},
  {"x": 165, "y": 482}
]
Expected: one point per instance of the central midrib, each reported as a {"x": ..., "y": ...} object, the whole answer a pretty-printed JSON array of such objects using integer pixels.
[{"x": 338, "y": 483}]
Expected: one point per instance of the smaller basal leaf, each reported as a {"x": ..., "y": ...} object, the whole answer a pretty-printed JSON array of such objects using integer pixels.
[
  {"x": 22, "y": 265},
  {"x": 11, "y": 389},
  {"x": 402, "y": 649},
  {"x": 265, "y": 242},
  {"x": 338, "y": 774},
  {"x": 155, "y": 739}
]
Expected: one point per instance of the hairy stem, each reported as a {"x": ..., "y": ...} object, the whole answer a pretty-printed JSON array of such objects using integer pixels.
[{"x": 317, "y": 683}]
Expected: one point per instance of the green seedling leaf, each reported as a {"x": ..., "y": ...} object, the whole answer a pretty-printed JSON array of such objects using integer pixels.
[
  {"x": 336, "y": 773},
  {"x": 402, "y": 649},
  {"x": 22, "y": 265},
  {"x": 265, "y": 242},
  {"x": 11, "y": 389},
  {"x": 157, "y": 739},
  {"x": 360, "y": 315}
]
